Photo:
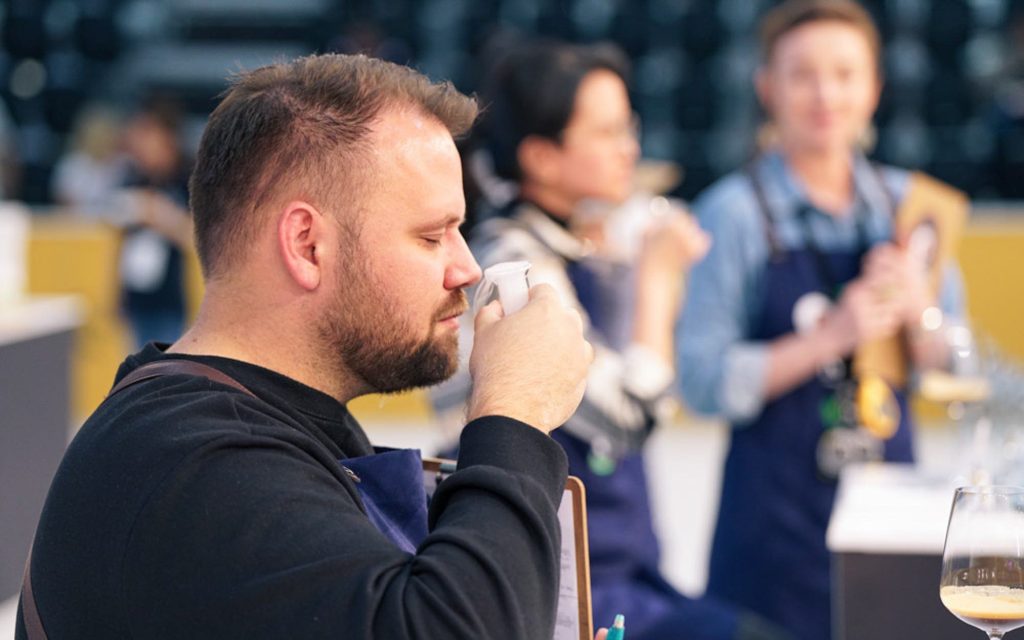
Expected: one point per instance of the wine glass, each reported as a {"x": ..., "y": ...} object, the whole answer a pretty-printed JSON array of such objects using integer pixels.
[
  {"x": 983, "y": 562},
  {"x": 963, "y": 386}
]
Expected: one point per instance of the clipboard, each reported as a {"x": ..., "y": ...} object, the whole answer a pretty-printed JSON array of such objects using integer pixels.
[{"x": 574, "y": 618}]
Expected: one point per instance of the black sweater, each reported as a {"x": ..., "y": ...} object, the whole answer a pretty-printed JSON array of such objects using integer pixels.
[{"x": 186, "y": 509}]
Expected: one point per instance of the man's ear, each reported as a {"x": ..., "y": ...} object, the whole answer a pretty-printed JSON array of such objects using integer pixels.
[
  {"x": 538, "y": 159},
  {"x": 301, "y": 236}
]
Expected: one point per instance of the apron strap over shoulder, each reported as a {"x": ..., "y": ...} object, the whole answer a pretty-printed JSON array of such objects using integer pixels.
[
  {"x": 890, "y": 196},
  {"x": 771, "y": 234},
  {"x": 177, "y": 367},
  {"x": 29, "y": 612}
]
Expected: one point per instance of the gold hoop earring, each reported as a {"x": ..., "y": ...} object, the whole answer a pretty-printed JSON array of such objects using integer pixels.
[{"x": 767, "y": 136}]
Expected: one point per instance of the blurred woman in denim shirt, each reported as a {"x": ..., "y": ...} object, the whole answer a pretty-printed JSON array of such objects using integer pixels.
[{"x": 803, "y": 270}]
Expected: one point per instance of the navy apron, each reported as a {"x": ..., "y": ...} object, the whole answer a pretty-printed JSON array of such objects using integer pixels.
[
  {"x": 624, "y": 550},
  {"x": 624, "y": 557},
  {"x": 768, "y": 551},
  {"x": 390, "y": 484}
]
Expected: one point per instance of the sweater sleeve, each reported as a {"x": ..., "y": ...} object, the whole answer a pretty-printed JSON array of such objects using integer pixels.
[
  {"x": 255, "y": 536},
  {"x": 721, "y": 371}
]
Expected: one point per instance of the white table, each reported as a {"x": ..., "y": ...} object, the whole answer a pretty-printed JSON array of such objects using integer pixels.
[{"x": 886, "y": 536}]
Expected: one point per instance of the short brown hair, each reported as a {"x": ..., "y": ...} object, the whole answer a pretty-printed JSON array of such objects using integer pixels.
[
  {"x": 795, "y": 13},
  {"x": 300, "y": 123}
]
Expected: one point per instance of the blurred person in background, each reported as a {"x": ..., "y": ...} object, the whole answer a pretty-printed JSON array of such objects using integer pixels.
[
  {"x": 95, "y": 167},
  {"x": 10, "y": 161},
  {"x": 558, "y": 125},
  {"x": 802, "y": 271},
  {"x": 154, "y": 206}
]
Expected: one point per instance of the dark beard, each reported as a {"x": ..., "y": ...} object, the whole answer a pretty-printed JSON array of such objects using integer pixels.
[
  {"x": 389, "y": 363},
  {"x": 371, "y": 343},
  {"x": 378, "y": 351}
]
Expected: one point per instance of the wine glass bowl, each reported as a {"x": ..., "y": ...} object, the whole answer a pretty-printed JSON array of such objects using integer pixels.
[{"x": 983, "y": 561}]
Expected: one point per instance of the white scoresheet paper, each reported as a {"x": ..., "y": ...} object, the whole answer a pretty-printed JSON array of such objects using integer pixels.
[
  {"x": 573, "y": 619},
  {"x": 567, "y": 622}
]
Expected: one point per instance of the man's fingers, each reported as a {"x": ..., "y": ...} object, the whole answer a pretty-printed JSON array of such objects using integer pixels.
[
  {"x": 579, "y": 319},
  {"x": 543, "y": 290},
  {"x": 487, "y": 316},
  {"x": 588, "y": 350},
  {"x": 581, "y": 388}
]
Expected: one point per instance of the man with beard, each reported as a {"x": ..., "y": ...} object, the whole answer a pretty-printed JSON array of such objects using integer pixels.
[{"x": 217, "y": 491}]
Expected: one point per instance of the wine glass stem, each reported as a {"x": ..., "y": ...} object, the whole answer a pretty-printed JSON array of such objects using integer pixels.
[{"x": 995, "y": 636}]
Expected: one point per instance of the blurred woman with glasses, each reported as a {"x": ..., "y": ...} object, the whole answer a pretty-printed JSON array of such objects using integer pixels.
[{"x": 558, "y": 135}]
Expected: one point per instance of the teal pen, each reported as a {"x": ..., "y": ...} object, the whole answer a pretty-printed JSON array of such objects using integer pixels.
[{"x": 618, "y": 630}]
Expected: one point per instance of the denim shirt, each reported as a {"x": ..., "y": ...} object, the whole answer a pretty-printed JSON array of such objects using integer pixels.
[{"x": 721, "y": 371}]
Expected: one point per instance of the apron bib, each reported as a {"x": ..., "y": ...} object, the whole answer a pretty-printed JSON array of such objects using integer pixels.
[
  {"x": 390, "y": 484},
  {"x": 768, "y": 551}
]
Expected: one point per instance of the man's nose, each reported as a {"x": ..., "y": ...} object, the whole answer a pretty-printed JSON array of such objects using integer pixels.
[{"x": 463, "y": 270}]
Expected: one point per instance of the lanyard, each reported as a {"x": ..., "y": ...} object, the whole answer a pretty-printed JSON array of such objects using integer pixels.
[
  {"x": 775, "y": 246},
  {"x": 826, "y": 276}
]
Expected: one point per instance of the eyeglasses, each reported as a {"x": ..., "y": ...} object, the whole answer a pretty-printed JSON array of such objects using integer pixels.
[{"x": 618, "y": 132}]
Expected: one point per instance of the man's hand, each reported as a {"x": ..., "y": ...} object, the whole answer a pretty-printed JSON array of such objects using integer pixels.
[{"x": 531, "y": 365}]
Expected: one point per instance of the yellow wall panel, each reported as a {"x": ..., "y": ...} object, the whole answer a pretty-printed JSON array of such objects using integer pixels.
[
  {"x": 992, "y": 260},
  {"x": 66, "y": 256}
]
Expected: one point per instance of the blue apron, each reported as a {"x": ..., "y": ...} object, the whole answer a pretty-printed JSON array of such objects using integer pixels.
[
  {"x": 390, "y": 484},
  {"x": 624, "y": 556},
  {"x": 624, "y": 550},
  {"x": 768, "y": 551}
]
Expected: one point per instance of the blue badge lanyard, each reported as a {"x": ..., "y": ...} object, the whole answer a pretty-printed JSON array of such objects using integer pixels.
[{"x": 826, "y": 276}]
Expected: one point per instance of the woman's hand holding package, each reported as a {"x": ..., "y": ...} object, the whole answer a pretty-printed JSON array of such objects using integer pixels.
[
  {"x": 906, "y": 278},
  {"x": 870, "y": 308},
  {"x": 900, "y": 276}
]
